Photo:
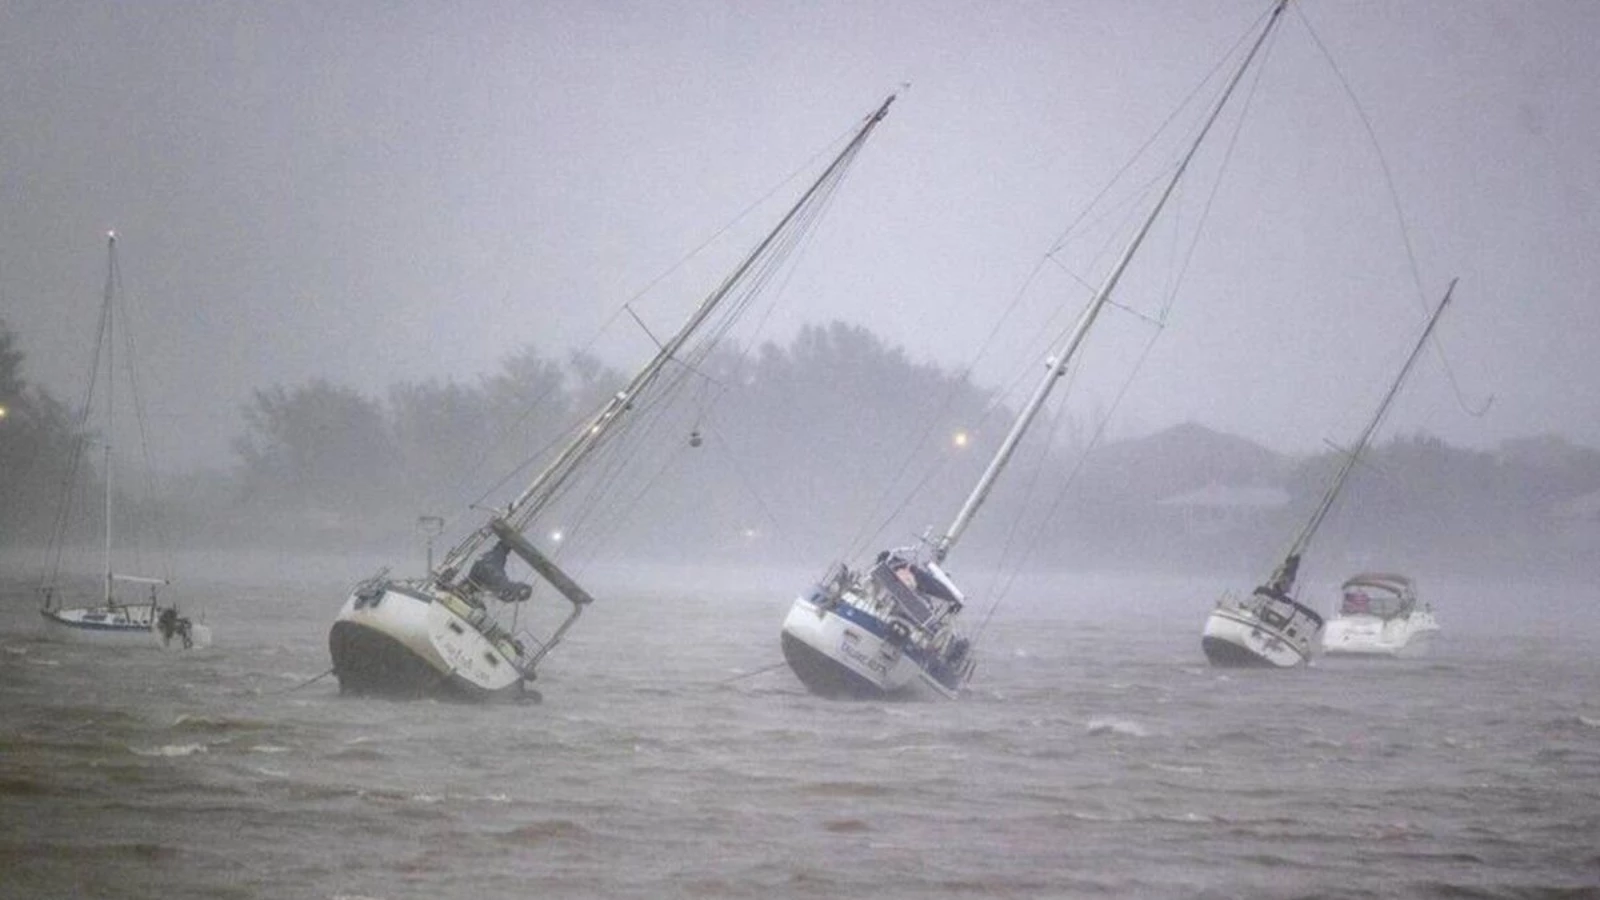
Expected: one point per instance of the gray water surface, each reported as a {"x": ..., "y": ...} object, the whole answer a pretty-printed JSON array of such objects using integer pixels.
[{"x": 1096, "y": 756}]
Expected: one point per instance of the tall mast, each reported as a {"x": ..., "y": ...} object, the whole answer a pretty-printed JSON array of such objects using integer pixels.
[
  {"x": 1351, "y": 458},
  {"x": 108, "y": 312},
  {"x": 1058, "y": 361},
  {"x": 527, "y": 504}
]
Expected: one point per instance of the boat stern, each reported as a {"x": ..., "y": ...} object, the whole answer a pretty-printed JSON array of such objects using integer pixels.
[
  {"x": 838, "y": 656},
  {"x": 401, "y": 640},
  {"x": 1260, "y": 631}
]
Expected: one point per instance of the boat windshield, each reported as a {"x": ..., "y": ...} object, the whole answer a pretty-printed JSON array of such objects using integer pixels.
[
  {"x": 1372, "y": 600},
  {"x": 909, "y": 591}
]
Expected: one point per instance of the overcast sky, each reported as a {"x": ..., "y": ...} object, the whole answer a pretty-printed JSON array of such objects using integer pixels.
[{"x": 371, "y": 192}]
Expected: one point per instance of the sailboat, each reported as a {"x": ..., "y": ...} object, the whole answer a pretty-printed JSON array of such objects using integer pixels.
[
  {"x": 442, "y": 634},
  {"x": 891, "y": 629},
  {"x": 1270, "y": 627},
  {"x": 1379, "y": 615},
  {"x": 128, "y": 610}
]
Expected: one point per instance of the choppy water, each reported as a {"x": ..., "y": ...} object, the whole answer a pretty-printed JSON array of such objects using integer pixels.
[{"x": 1097, "y": 755}]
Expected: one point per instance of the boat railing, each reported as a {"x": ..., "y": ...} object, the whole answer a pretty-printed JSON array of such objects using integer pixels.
[{"x": 529, "y": 647}]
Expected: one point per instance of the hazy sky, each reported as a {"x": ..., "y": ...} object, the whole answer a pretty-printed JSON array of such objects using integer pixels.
[{"x": 370, "y": 192}]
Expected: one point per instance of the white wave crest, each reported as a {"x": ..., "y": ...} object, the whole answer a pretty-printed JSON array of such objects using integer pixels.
[
  {"x": 170, "y": 750},
  {"x": 1108, "y": 725}
]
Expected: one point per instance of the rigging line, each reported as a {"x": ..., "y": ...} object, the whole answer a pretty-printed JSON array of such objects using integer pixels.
[
  {"x": 642, "y": 326},
  {"x": 761, "y": 324},
  {"x": 840, "y": 162},
  {"x": 608, "y": 530},
  {"x": 860, "y": 541},
  {"x": 939, "y": 465},
  {"x": 1143, "y": 317},
  {"x": 761, "y": 260},
  {"x": 801, "y": 233},
  {"x": 651, "y": 404},
  {"x": 164, "y": 545},
  {"x": 650, "y": 411},
  {"x": 993, "y": 406},
  {"x": 1400, "y": 216},
  {"x": 761, "y": 671},
  {"x": 1216, "y": 186},
  {"x": 564, "y": 436},
  {"x": 864, "y": 534},
  {"x": 609, "y": 484},
  {"x": 1182, "y": 105},
  {"x": 821, "y": 199},
  {"x": 81, "y": 438},
  {"x": 1133, "y": 374},
  {"x": 527, "y": 461},
  {"x": 774, "y": 255},
  {"x": 809, "y": 164},
  {"x": 507, "y": 429},
  {"x": 761, "y": 275},
  {"x": 1060, "y": 422},
  {"x": 758, "y": 267},
  {"x": 307, "y": 683},
  {"x": 611, "y": 460},
  {"x": 1128, "y": 211},
  {"x": 750, "y": 486},
  {"x": 1071, "y": 479}
]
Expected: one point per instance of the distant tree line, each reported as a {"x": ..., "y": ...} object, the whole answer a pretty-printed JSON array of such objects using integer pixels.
[
  {"x": 831, "y": 445},
  {"x": 36, "y": 441}
]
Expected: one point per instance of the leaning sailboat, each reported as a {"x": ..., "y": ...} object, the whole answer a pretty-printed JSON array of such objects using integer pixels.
[
  {"x": 891, "y": 628},
  {"x": 127, "y": 610},
  {"x": 1270, "y": 627},
  {"x": 442, "y": 634}
]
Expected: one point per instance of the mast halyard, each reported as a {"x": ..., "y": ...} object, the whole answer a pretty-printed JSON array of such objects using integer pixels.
[
  {"x": 108, "y": 330},
  {"x": 1283, "y": 577},
  {"x": 1058, "y": 361},
  {"x": 545, "y": 486}
]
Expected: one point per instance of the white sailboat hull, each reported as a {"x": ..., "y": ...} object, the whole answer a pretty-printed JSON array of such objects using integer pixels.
[
  {"x": 118, "y": 626},
  {"x": 844, "y": 652},
  {"x": 1260, "y": 632},
  {"x": 1369, "y": 635},
  {"x": 401, "y": 640}
]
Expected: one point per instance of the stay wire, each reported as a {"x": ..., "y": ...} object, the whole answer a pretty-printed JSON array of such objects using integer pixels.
[
  {"x": 1161, "y": 129},
  {"x": 656, "y": 395},
  {"x": 304, "y": 684},
  {"x": 617, "y": 313},
  {"x": 1400, "y": 216},
  {"x": 81, "y": 437},
  {"x": 1159, "y": 326},
  {"x": 164, "y": 545}
]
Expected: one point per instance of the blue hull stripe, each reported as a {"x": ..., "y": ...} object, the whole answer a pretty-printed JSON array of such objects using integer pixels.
[{"x": 878, "y": 629}]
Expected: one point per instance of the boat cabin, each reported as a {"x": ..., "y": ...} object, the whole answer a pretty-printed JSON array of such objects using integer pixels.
[{"x": 1377, "y": 594}]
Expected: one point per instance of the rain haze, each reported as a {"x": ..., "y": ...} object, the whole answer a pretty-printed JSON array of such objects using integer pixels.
[
  {"x": 372, "y": 193},
  {"x": 380, "y": 263}
]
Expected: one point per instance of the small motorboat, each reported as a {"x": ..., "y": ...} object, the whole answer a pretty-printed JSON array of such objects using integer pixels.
[{"x": 1379, "y": 615}]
